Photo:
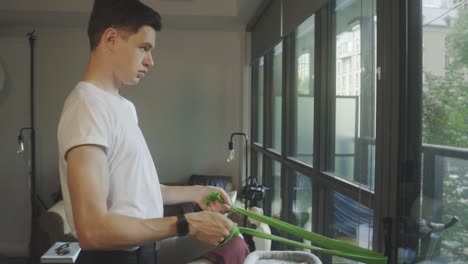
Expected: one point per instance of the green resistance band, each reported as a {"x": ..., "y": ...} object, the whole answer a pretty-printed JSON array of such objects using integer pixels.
[{"x": 340, "y": 248}]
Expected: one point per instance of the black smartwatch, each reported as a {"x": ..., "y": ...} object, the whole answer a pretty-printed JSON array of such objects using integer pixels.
[{"x": 182, "y": 225}]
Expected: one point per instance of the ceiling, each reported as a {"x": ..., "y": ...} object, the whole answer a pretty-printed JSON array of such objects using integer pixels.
[{"x": 223, "y": 15}]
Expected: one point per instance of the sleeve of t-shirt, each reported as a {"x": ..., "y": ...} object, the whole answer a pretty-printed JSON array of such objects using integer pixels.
[{"x": 85, "y": 122}]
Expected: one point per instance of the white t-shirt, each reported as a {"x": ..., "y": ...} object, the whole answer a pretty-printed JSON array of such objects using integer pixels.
[{"x": 94, "y": 116}]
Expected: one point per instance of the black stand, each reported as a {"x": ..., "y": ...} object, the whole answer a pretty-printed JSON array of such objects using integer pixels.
[
  {"x": 32, "y": 180},
  {"x": 251, "y": 191},
  {"x": 231, "y": 147}
]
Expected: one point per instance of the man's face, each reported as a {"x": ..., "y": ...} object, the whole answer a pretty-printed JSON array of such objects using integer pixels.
[{"x": 132, "y": 58}]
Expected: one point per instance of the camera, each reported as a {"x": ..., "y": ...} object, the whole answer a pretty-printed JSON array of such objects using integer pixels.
[{"x": 252, "y": 191}]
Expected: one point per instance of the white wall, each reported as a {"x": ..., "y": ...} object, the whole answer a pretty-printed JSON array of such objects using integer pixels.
[
  {"x": 434, "y": 49},
  {"x": 14, "y": 199},
  {"x": 188, "y": 106}
]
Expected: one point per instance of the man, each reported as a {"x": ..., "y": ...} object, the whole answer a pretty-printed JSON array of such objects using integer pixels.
[{"x": 112, "y": 195}]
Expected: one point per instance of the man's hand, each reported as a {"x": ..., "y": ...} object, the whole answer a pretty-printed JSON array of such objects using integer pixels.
[
  {"x": 201, "y": 192},
  {"x": 209, "y": 227}
]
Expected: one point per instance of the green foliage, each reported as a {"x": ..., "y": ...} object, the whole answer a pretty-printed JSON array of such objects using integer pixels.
[
  {"x": 455, "y": 201},
  {"x": 457, "y": 39},
  {"x": 445, "y": 109},
  {"x": 445, "y": 100},
  {"x": 445, "y": 122}
]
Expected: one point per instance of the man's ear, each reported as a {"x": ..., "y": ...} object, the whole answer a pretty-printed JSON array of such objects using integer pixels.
[{"x": 109, "y": 38}]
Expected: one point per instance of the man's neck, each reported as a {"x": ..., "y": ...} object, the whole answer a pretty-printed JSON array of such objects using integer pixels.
[
  {"x": 101, "y": 76},
  {"x": 108, "y": 87}
]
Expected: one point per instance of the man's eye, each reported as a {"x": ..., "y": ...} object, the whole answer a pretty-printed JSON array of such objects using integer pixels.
[{"x": 145, "y": 49}]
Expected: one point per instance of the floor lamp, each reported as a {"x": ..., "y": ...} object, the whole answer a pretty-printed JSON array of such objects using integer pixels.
[
  {"x": 32, "y": 175},
  {"x": 251, "y": 191}
]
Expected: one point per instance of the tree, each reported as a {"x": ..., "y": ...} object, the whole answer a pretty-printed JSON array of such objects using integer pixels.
[
  {"x": 457, "y": 39},
  {"x": 445, "y": 122},
  {"x": 445, "y": 111}
]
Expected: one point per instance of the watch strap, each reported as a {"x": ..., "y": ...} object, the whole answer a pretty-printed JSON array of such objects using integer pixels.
[{"x": 182, "y": 225}]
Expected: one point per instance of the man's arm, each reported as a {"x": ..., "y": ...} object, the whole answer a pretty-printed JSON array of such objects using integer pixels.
[
  {"x": 195, "y": 193},
  {"x": 97, "y": 228}
]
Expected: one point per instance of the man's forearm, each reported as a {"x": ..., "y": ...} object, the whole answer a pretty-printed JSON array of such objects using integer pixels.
[
  {"x": 113, "y": 231},
  {"x": 179, "y": 194}
]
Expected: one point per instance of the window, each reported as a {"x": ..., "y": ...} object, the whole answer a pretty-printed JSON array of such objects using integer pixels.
[
  {"x": 303, "y": 70},
  {"x": 336, "y": 188},
  {"x": 257, "y": 166},
  {"x": 302, "y": 201},
  {"x": 273, "y": 196},
  {"x": 400, "y": 153},
  {"x": 259, "y": 101},
  {"x": 304, "y": 90},
  {"x": 351, "y": 222},
  {"x": 277, "y": 97},
  {"x": 444, "y": 148},
  {"x": 276, "y": 192},
  {"x": 353, "y": 105}
]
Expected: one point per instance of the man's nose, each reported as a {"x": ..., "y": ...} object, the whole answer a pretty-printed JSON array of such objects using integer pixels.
[{"x": 148, "y": 62}]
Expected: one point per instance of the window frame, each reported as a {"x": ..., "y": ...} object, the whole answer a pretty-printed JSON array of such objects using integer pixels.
[{"x": 395, "y": 128}]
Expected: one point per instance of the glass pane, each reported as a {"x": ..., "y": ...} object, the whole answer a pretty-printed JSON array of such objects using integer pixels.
[
  {"x": 444, "y": 163},
  {"x": 352, "y": 222},
  {"x": 352, "y": 156},
  {"x": 445, "y": 82},
  {"x": 274, "y": 194},
  {"x": 276, "y": 200},
  {"x": 304, "y": 85},
  {"x": 257, "y": 174},
  {"x": 277, "y": 96},
  {"x": 454, "y": 244},
  {"x": 302, "y": 203},
  {"x": 445, "y": 196},
  {"x": 259, "y": 104},
  {"x": 259, "y": 168}
]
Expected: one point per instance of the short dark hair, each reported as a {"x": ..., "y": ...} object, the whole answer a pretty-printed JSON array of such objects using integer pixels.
[{"x": 126, "y": 15}]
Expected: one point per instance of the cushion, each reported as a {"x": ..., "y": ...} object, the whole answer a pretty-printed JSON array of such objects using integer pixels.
[{"x": 285, "y": 257}]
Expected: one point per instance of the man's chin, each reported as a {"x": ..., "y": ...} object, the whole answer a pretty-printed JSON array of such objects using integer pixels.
[{"x": 132, "y": 82}]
